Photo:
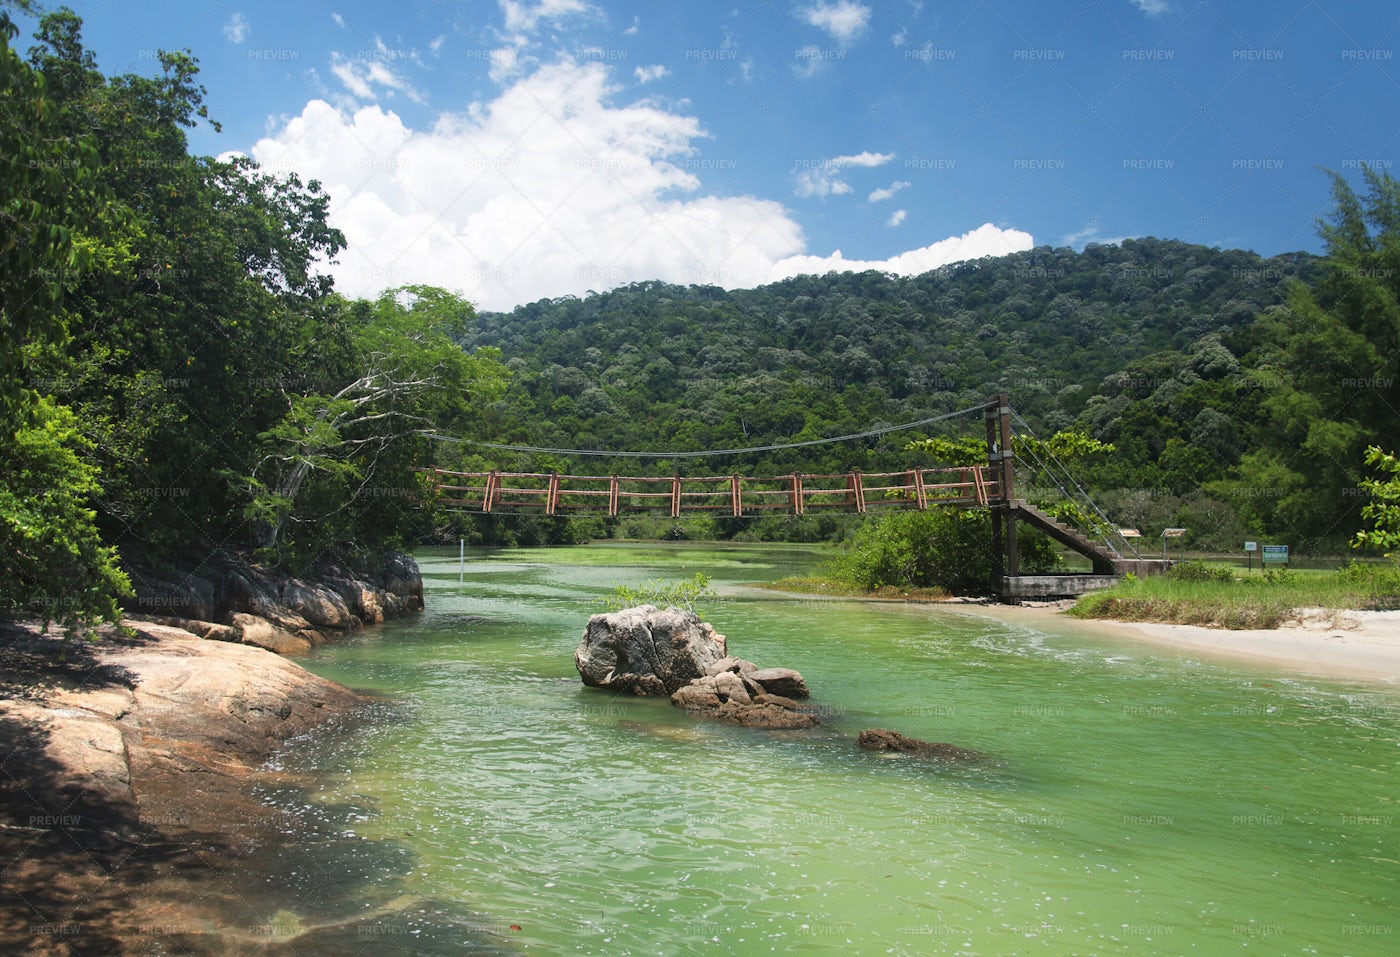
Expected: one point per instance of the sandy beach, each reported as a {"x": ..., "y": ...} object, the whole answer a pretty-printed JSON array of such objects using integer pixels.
[{"x": 1348, "y": 644}]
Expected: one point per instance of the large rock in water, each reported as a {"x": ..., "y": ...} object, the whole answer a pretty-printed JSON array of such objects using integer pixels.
[{"x": 647, "y": 651}]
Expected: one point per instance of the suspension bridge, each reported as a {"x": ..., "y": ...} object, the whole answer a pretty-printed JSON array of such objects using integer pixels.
[{"x": 991, "y": 486}]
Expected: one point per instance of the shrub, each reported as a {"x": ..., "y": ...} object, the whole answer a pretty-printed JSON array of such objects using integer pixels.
[
  {"x": 1199, "y": 571},
  {"x": 938, "y": 548}
]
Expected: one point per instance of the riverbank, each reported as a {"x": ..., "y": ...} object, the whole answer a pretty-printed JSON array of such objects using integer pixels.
[
  {"x": 129, "y": 771},
  {"x": 1325, "y": 642}
]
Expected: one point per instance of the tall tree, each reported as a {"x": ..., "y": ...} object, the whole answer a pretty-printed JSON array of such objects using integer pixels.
[{"x": 52, "y": 561}]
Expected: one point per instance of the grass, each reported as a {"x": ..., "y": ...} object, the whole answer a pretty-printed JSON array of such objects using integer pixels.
[
  {"x": 818, "y": 585},
  {"x": 1201, "y": 593}
]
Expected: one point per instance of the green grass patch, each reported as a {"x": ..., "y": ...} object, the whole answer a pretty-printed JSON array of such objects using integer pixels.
[
  {"x": 1213, "y": 595},
  {"x": 818, "y": 585}
]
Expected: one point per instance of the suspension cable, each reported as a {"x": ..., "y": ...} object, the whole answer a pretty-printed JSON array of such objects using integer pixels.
[
  {"x": 1079, "y": 488},
  {"x": 691, "y": 455}
]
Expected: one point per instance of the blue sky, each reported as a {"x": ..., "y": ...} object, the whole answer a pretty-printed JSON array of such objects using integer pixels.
[{"x": 516, "y": 149}]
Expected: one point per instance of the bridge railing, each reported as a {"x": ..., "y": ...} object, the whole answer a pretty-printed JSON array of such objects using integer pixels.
[{"x": 796, "y": 493}]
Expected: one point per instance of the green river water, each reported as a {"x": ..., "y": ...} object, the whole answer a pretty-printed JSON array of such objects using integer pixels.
[{"x": 1135, "y": 800}]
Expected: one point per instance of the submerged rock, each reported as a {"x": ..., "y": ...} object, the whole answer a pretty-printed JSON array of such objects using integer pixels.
[
  {"x": 646, "y": 650},
  {"x": 882, "y": 739}
]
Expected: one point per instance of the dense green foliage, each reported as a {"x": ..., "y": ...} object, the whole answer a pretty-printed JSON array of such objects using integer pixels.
[
  {"x": 940, "y": 548},
  {"x": 179, "y": 376},
  {"x": 1383, "y": 508},
  {"x": 52, "y": 562}
]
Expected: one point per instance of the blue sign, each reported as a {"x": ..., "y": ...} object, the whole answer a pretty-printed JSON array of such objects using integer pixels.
[{"x": 1275, "y": 554}]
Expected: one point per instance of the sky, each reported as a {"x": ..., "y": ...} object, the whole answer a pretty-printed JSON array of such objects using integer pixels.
[{"x": 513, "y": 150}]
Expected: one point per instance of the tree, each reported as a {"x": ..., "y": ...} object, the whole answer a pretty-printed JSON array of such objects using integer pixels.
[
  {"x": 405, "y": 379},
  {"x": 1340, "y": 390},
  {"x": 1383, "y": 509},
  {"x": 52, "y": 561}
]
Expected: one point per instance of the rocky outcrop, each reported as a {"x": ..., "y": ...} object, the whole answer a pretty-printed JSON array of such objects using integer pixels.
[
  {"x": 883, "y": 739},
  {"x": 230, "y": 599},
  {"x": 646, "y": 650},
  {"x": 135, "y": 764}
]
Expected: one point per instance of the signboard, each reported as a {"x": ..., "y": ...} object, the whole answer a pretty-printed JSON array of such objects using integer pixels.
[
  {"x": 1129, "y": 533},
  {"x": 1173, "y": 532},
  {"x": 1251, "y": 546},
  {"x": 1275, "y": 554}
]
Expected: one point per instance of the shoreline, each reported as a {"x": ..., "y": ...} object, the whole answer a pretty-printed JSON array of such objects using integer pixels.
[
  {"x": 130, "y": 811},
  {"x": 1348, "y": 645}
]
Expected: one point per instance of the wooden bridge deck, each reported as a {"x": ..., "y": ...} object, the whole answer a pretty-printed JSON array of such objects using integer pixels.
[{"x": 554, "y": 494}]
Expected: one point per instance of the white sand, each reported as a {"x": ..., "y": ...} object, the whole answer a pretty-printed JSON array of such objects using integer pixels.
[{"x": 1348, "y": 644}]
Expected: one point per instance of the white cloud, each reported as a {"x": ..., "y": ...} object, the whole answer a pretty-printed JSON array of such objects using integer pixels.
[
  {"x": 436, "y": 43},
  {"x": 362, "y": 75},
  {"x": 896, "y": 218},
  {"x": 985, "y": 240},
  {"x": 888, "y": 192},
  {"x": 1092, "y": 233},
  {"x": 547, "y": 190},
  {"x": 635, "y": 28},
  {"x": 339, "y": 21},
  {"x": 525, "y": 17},
  {"x": 900, "y": 38},
  {"x": 823, "y": 178},
  {"x": 553, "y": 189},
  {"x": 1152, "y": 7},
  {"x": 237, "y": 28},
  {"x": 843, "y": 19},
  {"x": 645, "y": 74}
]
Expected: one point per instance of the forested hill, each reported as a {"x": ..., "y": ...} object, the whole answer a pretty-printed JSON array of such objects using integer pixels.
[
  {"x": 1078, "y": 338},
  {"x": 652, "y": 365}
]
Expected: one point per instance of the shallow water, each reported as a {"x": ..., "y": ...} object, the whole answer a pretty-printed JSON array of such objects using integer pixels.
[{"x": 1134, "y": 801}]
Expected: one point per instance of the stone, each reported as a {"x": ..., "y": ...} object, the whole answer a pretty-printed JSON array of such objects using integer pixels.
[
  {"x": 768, "y": 715},
  {"x": 883, "y": 739},
  {"x": 264, "y": 634},
  {"x": 730, "y": 687},
  {"x": 403, "y": 582},
  {"x": 318, "y": 604},
  {"x": 726, "y": 696},
  {"x": 646, "y": 650},
  {"x": 780, "y": 681}
]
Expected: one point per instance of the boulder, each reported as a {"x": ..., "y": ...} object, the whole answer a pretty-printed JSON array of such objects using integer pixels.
[
  {"x": 768, "y": 715},
  {"x": 264, "y": 634},
  {"x": 727, "y": 696},
  {"x": 882, "y": 739},
  {"x": 646, "y": 650},
  {"x": 319, "y": 605},
  {"x": 780, "y": 681},
  {"x": 175, "y": 595},
  {"x": 728, "y": 663},
  {"x": 403, "y": 582}
]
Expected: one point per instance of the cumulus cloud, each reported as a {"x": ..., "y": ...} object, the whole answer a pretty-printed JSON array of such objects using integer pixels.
[
  {"x": 548, "y": 190},
  {"x": 985, "y": 240},
  {"x": 896, "y": 218},
  {"x": 843, "y": 19},
  {"x": 645, "y": 74},
  {"x": 824, "y": 177},
  {"x": 1152, "y": 7},
  {"x": 554, "y": 188},
  {"x": 236, "y": 29},
  {"x": 888, "y": 192}
]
